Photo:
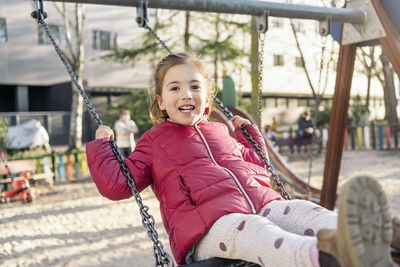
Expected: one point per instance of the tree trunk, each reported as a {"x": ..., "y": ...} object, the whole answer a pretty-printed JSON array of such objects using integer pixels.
[
  {"x": 216, "y": 52},
  {"x": 187, "y": 31},
  {"x": 369, "y": 68},
  {"x": 75, "y": 133},
  {"x": 254, "y": 59},
  {"x": 389, "y": 91}
]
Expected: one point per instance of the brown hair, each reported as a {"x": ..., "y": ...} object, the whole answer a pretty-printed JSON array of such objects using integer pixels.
[{"x": 156, "y": 114}]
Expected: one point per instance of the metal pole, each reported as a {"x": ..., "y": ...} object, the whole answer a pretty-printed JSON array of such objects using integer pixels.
[{"x": 249, "y": 7}]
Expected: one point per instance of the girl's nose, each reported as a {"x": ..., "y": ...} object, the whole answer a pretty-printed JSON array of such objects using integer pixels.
[{"x": 186, "y": 93}]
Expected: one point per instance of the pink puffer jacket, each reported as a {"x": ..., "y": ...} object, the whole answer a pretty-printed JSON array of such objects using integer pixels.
[{"x": 198, "y": 173}]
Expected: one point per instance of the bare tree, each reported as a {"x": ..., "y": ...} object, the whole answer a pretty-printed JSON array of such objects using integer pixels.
[
  {"x": 368, "y": 59},
  {"x": 389, "y": 91},
  {"x": 318, "y": 89},
  {"x": 187, "y": 31},
  {"x": 74, "y": 53},
  {"x": 254, "y": 59}
]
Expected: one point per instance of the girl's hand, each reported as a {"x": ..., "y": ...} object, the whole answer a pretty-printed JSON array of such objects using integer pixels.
[
  {"x": 238, "y": 121},
  {"x": 104, "y": 132}
]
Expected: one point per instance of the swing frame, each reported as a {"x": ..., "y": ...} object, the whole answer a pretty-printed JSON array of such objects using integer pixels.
[
  {"x": 345, "y": 66},
  {"x": 343, "y": 80}
]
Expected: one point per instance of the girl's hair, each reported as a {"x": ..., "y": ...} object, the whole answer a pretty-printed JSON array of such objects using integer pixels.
[{"x": 156, "y": 114}]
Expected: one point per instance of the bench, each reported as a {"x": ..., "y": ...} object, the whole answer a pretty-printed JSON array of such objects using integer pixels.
[
  {"x": 293, "y": 142},
  {"x": 20, "y": 168}
]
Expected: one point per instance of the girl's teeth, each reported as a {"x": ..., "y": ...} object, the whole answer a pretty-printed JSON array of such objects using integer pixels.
[{"x": 186, "y": 109}]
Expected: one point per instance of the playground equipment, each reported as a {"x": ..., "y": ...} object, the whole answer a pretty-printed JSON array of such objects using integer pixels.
[
  {"x": 359, "y": 18},
  {"x": 20, "y": 187}
]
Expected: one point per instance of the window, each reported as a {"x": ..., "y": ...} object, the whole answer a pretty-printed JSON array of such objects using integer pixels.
[
  {"x": 277, "y": 23},
  {"x": 278, "y": 60},
  {"x": 298, "y": 26},
  {"x": 102, "y": 40},
  {"x": 57, "y": 31},
  {"x": 152, "y": 12},
  {"x": 3, "y": 31},
  {"x": 299, "y": 62}
]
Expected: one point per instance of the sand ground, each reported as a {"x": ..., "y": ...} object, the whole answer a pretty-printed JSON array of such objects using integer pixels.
[{"x": 72, "y": 225}]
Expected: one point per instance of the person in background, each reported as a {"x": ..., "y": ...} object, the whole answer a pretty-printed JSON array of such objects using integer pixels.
[
  {"x": 271, "y": 135},
  {"x": 274, "y": 124},
  {"x": 125, "y": 128},
  {"x": 305, "y": 129}
]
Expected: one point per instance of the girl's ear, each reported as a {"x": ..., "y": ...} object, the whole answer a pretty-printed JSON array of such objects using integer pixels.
[{"x": 160, "y": 102}]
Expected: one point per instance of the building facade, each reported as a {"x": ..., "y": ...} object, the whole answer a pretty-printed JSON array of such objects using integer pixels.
[{"x": 34, "y": 83}]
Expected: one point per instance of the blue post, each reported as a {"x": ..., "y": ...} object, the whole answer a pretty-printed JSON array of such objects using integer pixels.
[
  {"x": 61, "y": 172},
  {"x": 380, "y": 137}
]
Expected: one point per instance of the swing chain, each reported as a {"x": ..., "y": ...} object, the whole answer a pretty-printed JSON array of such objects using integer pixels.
[
  {"x": 318, "y": 98},
  {"x": 265, "y": 160},
  {"x": 263, "y": 157},
  {"x": 60, "y": 54},
  {"x": 260, "y": 77},
  {"x": 143, "y": 22},
  {"x": 162, "y": 258}
]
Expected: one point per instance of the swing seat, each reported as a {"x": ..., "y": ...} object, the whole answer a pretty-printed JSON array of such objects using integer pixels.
[{"x": 220, "y": 262}]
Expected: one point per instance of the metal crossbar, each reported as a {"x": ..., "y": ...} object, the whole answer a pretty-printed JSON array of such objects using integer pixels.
[{"x": 249, "y": 7}]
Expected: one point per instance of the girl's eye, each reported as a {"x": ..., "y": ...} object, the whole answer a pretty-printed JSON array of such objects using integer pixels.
[
  {"x": 195, "y": 87},
  {"x": 175, "y": 88}
]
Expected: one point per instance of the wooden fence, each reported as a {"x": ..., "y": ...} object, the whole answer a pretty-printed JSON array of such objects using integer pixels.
[{"x": 357, "y": 137}]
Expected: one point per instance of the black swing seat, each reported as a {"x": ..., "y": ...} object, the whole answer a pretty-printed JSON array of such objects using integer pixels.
[{"x": 220, "y": 262}]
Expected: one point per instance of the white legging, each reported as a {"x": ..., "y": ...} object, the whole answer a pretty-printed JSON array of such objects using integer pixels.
[{"x": 282, "y": 234}]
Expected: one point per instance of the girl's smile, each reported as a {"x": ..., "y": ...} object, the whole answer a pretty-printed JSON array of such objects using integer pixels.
[{"x": 184, "y": 94}]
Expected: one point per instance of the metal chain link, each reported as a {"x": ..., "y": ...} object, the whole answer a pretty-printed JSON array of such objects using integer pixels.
[
  {"x": 158, "y": 38},
  {"x": 260, "y": 77},
  {"x": 263, "y": 157},
  {"x": 162, "y": 257},
  {"x": 317, "y": 104}
]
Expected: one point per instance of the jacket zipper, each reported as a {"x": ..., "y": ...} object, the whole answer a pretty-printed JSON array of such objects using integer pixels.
[{"x": 226, "y": 169}]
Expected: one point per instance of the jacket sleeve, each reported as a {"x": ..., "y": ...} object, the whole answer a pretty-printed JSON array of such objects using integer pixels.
[
  {"x": 248, "y": 152},
  {"x": 106, "y": 171}
]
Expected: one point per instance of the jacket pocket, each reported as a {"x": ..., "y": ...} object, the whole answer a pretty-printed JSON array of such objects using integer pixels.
[{"x": 186, "y": 191}]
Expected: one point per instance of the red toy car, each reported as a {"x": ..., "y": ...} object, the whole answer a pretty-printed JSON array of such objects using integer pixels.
[{"x": 20, "y": 187}]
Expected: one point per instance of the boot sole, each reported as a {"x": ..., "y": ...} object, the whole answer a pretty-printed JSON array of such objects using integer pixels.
[{"x": 364, "y": 223}]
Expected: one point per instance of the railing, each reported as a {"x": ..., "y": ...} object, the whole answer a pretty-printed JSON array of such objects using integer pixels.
[
  {"x": 357, "y": 137},
  {"x": 61, "y": 165}
]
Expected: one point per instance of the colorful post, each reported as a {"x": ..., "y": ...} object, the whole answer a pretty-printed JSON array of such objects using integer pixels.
[
  {"x": 70, "y": 169},
  {"x": 47, "y": 170},
  {"x": 61, "y": 168},
  {"x": 359, "y": 138},
  {"x": 346, "y": 139},
  {"x": 324, "y": 137},
  {"x": 380, "y": 137},
  {"x": 388, "y": 136},
  {"x": 367, "y": 138}
]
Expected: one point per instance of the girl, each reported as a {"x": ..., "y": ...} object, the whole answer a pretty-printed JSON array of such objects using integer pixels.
[{"x": 215, "y": 195}]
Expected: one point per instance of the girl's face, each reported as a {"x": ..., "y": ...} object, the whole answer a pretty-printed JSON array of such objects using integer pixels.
[{"x": 184, "y": 94}]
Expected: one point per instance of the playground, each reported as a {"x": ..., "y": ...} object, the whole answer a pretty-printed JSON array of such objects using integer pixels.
[{"x": 72, "y": 225}]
